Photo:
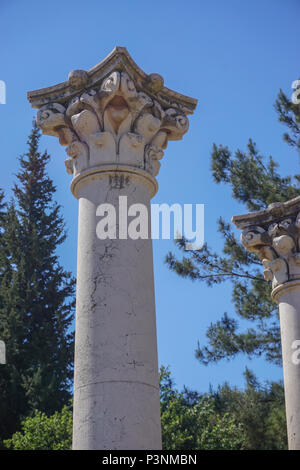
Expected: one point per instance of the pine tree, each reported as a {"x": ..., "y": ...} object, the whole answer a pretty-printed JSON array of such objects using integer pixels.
[
  {"x": 256, "y": 182},
  {"x": 289, "y": 114},
  {"x": 36, "y": 298}
]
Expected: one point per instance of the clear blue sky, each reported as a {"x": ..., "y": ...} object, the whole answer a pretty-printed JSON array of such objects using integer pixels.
[{"x": 233, "y": 56}]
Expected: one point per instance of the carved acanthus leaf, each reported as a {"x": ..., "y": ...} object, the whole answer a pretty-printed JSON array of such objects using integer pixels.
[
  {"x": 113, "y": 123},
  {"x": 277, "y": 245}
]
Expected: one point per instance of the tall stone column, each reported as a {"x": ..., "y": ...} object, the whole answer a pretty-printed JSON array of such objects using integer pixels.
[
  {"x": 115, "y": 122},
  {"x": 274, "y": 234}
]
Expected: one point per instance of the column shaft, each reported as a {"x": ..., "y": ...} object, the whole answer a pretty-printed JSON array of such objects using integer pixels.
[
  {"x": 116, "y": 395},
  {"x": 289, "y": 309}
]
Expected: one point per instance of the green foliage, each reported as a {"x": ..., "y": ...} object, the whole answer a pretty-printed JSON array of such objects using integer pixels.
[
  {"x": 256, "y": 182},
  {"x": 289, "y": 114},
  {"x": 41, "y": 432},
  {"x": 260, "y": 409},
  {"x": 196, "y": 425},
  {"x": 36, "y": 297},
  {"x": 199, "y": 427},
  {"x": 225, "y": 419}
]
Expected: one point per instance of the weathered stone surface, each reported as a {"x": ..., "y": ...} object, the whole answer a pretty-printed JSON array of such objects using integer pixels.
[
  {"x": 115, "y": 122},
  {"x": 113, "y": 113},
  {"x": 116, "y": 395},
  {"x": 274, "y": 234}
]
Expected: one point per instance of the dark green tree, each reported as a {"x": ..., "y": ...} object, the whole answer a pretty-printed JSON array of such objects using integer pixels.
[
  {"x": 36, "y": 298},
  {"x": 260, "y": 409},
  {"x": 289, "y": 114},
  {"x": 256, "y": 182}
]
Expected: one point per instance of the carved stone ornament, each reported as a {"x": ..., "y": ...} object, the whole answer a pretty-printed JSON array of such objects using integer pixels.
[
  {"x": 113, "y": 114},
  {"x": 274, "y": 234}
]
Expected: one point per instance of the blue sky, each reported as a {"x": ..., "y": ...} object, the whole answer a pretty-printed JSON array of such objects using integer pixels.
[{"x": 232, "y": 56}]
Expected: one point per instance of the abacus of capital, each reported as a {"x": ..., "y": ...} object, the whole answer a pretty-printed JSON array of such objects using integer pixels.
[
  {"x": 274, "y": 234},
  {"x": 115, "y": 122}
]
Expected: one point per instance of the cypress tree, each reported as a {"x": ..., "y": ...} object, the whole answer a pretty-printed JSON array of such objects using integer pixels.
[{"x": 36, "y": 297}]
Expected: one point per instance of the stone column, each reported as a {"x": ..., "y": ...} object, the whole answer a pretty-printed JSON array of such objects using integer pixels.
[
  {"x": 274, "y": 234},
  {"x": 115, "y": 122}
]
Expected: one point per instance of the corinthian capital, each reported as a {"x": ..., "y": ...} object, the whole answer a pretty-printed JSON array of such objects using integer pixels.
[
  {"x": 274, "y": 234},
  {"x": 114, "y": 114}
]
